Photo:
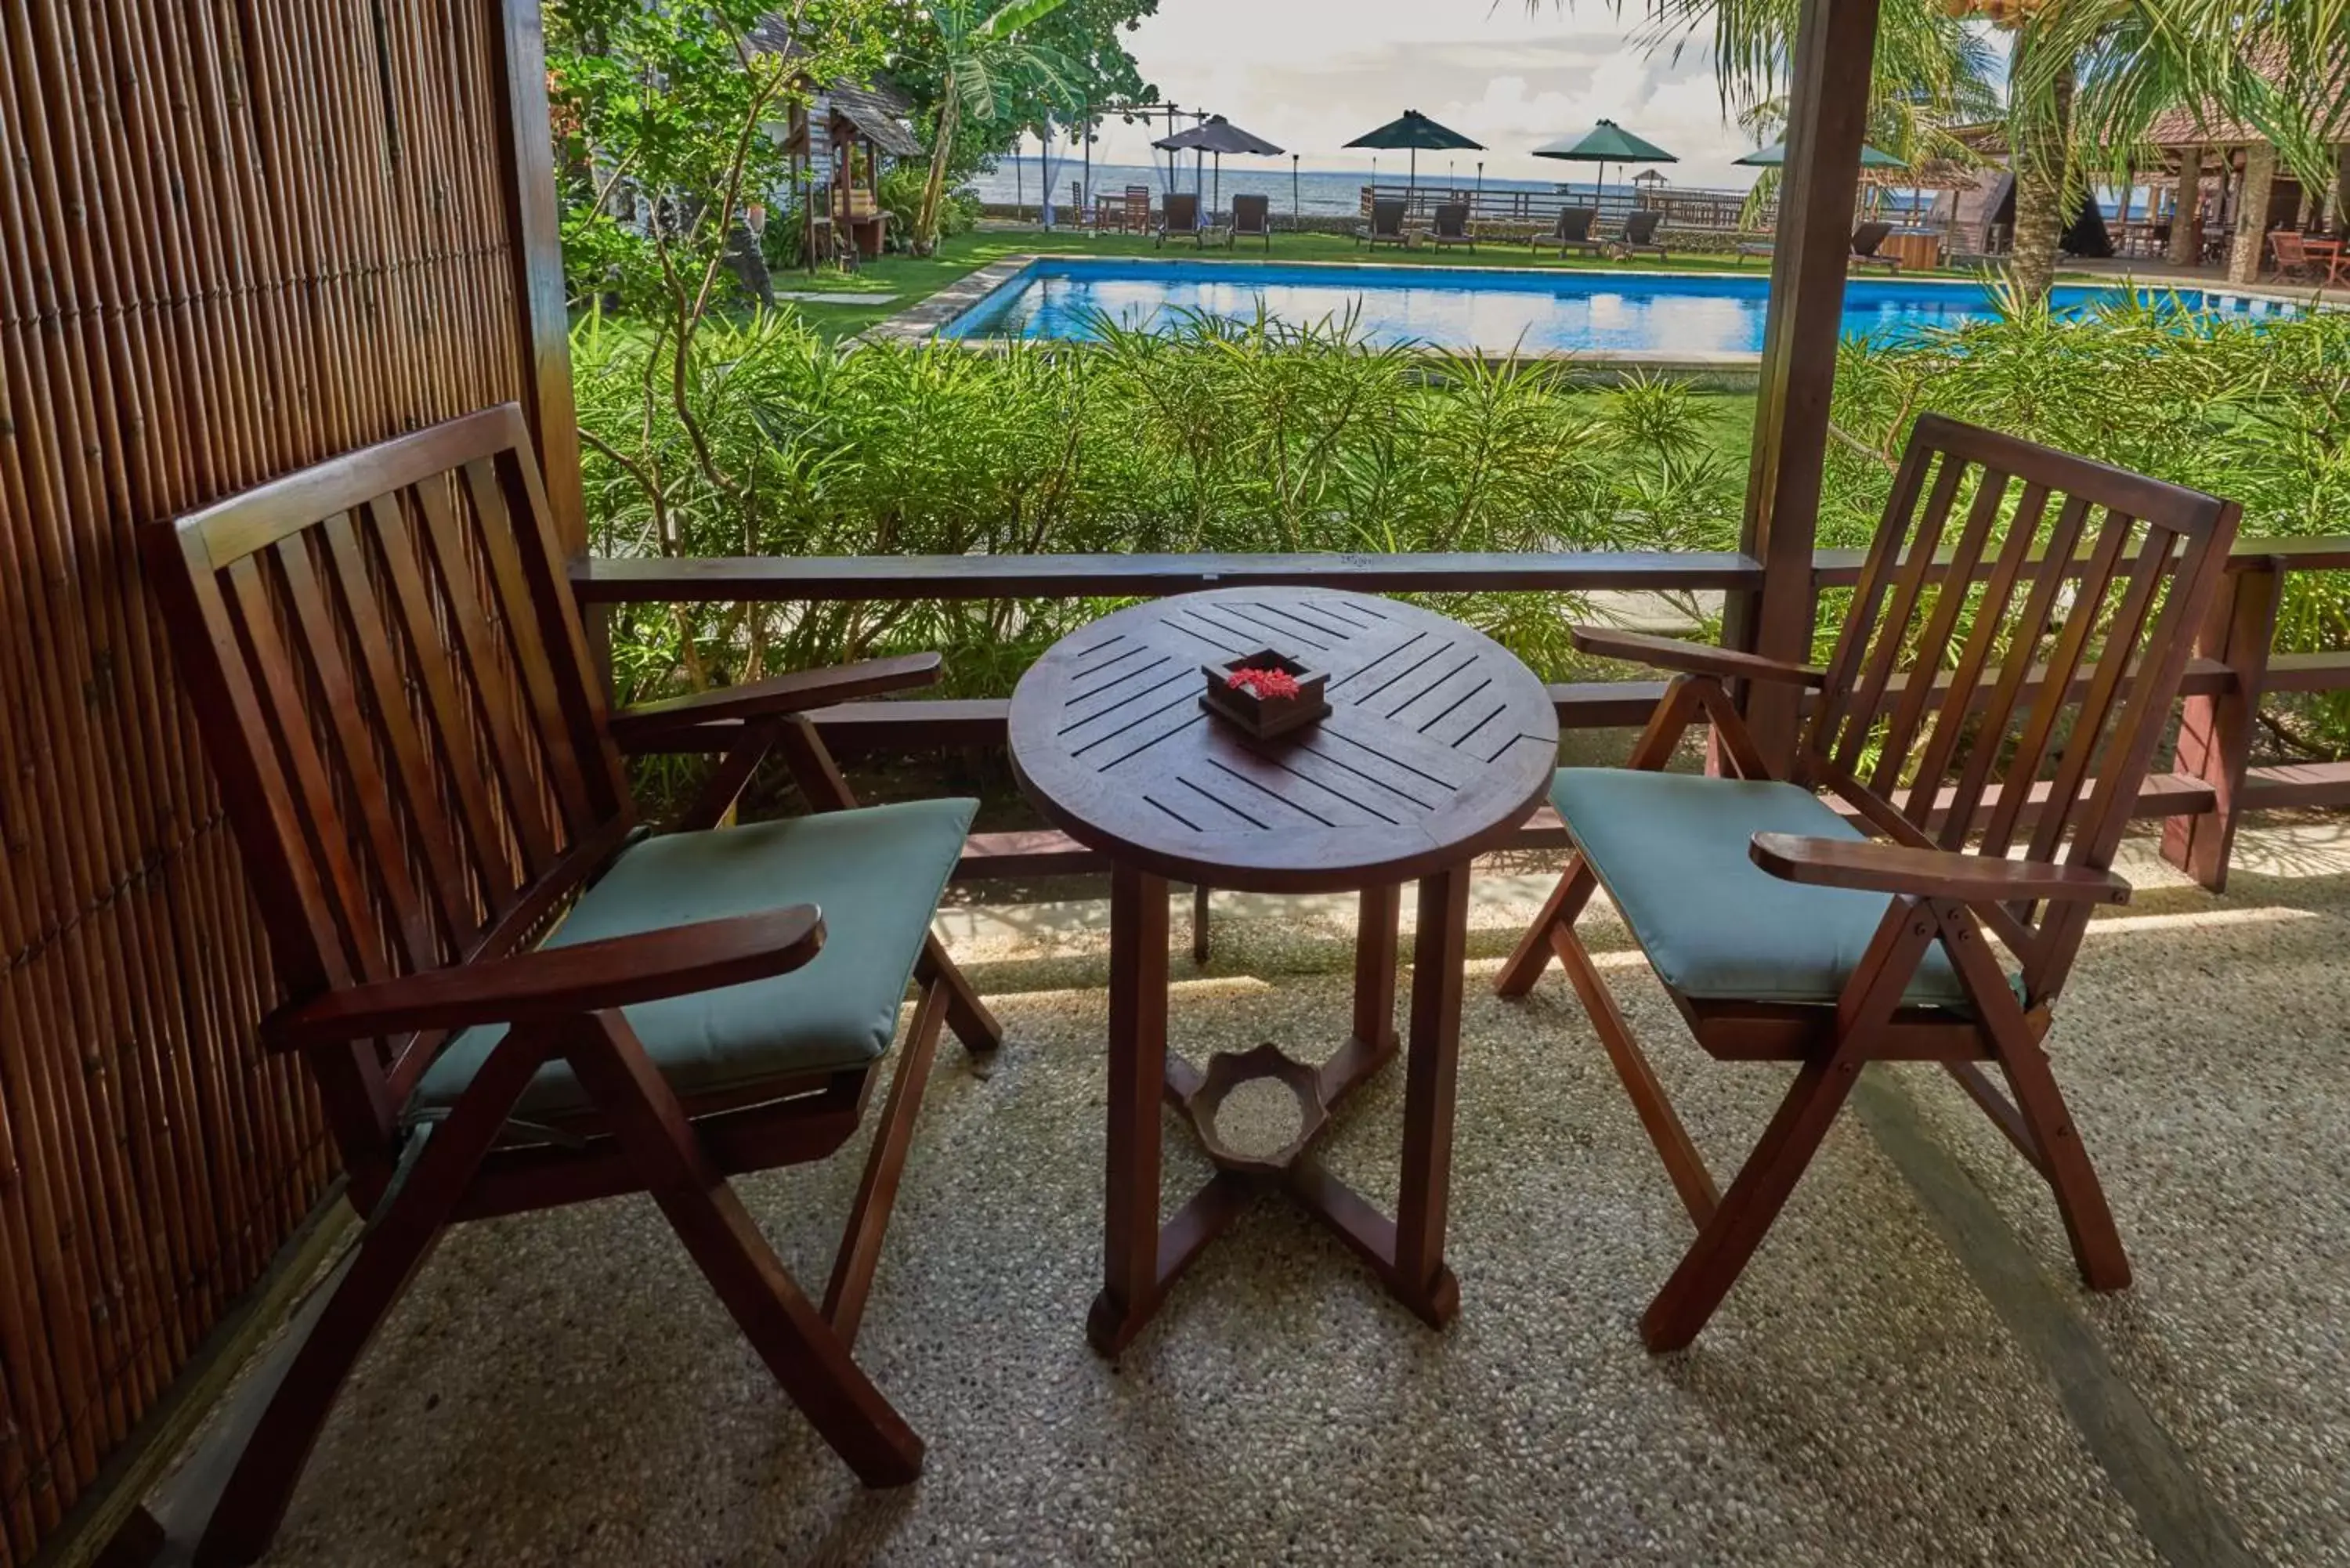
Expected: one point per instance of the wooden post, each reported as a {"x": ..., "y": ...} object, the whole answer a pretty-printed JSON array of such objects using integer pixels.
[
  {"x": 2215, "y": 733},
  {"x": 528, "y": 170},
  {"x": 1827, "y": 115}
]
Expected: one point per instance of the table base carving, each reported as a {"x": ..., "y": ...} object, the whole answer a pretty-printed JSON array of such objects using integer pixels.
[{"x": 1144, "y": 1257}]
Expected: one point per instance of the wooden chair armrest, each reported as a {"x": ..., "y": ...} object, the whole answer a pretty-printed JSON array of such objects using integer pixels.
[
  {"x": 1694, "y": 658},
  {"x": 798, "y": 692},
  {"x": 1879, "y": 867},
  {"x": 558, "y": 983}
]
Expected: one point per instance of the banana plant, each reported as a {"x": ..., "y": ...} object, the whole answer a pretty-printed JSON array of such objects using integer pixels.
[{"x": 983, "y": 62}]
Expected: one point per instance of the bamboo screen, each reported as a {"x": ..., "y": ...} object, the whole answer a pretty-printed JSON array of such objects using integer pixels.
[{"x": 236, "y": 237}]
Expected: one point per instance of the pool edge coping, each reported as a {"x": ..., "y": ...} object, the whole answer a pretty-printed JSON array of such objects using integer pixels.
[{"x": 923, "y": 320}]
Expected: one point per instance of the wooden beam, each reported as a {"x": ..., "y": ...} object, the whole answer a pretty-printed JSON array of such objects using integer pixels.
[
  {"x": 816, "y": 578},
  {"x": 2307, "y": 786},
  {"x": 1836, "y": 42},
  {"x": 919, "y": 725},
  {"x": 527, "y": 169},
  {"x": 1046, "y": 852}
]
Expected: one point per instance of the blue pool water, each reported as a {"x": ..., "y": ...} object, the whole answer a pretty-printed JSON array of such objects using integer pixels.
[{"x": 1493, "y": 309}]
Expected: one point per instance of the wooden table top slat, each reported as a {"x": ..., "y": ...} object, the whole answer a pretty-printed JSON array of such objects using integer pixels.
[{"x": 1437, "y": 743}]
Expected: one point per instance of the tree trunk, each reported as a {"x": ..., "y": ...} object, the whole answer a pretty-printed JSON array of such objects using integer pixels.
[
  {"x": 926, "y": 222},
  {"x": 2042, "y": 159},
  {"x": 2253, "y": 213},
  {"x": 748, "y": 263},
  {"x": 2187, "y": 217}
]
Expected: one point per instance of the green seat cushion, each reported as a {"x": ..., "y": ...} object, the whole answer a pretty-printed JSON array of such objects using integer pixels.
[
  {"x": 1671, "y": 850},
  {"x": 876, "y": 875}
]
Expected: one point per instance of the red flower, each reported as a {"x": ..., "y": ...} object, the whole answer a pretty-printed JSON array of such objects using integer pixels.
[{"x": 1267, "y": 684}]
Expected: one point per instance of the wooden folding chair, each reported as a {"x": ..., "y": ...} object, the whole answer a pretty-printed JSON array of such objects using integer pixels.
[
  {"x": 2005, "y": 673},
  {"x": 389, "y": 671}
]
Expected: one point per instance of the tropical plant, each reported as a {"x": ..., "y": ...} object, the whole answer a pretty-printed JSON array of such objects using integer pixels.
[
  {"x": 2102, "y": 72},
  {"x": 1931, "y": 71},
  {"x": 2256, "y": 409},
  {"x": 664, "y": 108},
  {"x": 662, "y": 112},
  {"x": 980, "y": 56},
  {"x": 1213, "y": 436},
  {"x": 1096, "y": 73},
  {"x": 2086, "y": 80},
  {"x": 903, "y": 186}
]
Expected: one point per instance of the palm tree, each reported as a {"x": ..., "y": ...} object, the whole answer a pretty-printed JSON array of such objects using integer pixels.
[
  {"x": 1931, "y": 72},
  {"x": 2278, "y": 69},
  {"x": 2086, "y": 78},
  {"x": 981, "y": 60}
]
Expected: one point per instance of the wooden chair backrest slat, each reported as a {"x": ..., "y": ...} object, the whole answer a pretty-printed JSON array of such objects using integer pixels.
[
  {"x": 2055, "y": 664},
  {"x": 1965, "y": 684},
  {"x": 393, "y": 685}
]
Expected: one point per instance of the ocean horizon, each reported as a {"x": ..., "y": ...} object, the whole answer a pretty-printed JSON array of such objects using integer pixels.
[
  {"x": 1318, "y": 193},
  {"x": 1334, "y": 192}
]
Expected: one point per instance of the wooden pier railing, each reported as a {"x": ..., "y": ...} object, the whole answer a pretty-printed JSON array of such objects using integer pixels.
[
  {"x": 2210, "y": 787},
  {"x": 1690, "y": 210}
]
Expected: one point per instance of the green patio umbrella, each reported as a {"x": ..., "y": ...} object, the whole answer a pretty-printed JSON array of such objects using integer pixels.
[
  {"x": 1772, "y": 156},
  {"x": 1413, "y": 132},
  {"x": 1605, "y": 143}
]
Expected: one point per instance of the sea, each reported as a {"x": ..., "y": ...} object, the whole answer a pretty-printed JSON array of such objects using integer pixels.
[
  {"x": 1338, "y": 192},
  {"x": 1314, "y": 194}
]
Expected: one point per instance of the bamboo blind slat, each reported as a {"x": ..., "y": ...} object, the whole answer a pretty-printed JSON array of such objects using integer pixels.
[{"x": 236, "y": 236}]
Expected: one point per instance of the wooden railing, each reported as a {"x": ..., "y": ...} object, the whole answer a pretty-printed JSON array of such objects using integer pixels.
[
  {"x": 1718, "y": 211},
  {"x": 2201, "y": 800}
]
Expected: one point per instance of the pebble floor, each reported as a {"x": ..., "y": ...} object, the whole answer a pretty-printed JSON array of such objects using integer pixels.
[{"x": 561, "y": 1389}]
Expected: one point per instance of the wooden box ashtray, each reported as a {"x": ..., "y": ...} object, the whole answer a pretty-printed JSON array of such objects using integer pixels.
[{"x": 1261, "y": 715}]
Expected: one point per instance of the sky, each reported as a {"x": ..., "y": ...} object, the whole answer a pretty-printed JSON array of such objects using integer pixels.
[{"x": 1312, "y": 75}]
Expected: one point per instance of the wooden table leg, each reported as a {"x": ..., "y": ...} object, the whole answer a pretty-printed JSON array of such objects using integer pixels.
[
  {"x": 1138, "y": 1076},
  {"x": 1374, "y": 969},
  {"x": 1424, "y": 1190}
]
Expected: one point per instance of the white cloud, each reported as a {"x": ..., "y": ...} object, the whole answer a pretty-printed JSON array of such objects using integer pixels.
[{"x": 1312, "y": 75}]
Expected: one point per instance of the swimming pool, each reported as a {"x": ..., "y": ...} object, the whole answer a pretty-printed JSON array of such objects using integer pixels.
[{"x": 1494, "y": 309}]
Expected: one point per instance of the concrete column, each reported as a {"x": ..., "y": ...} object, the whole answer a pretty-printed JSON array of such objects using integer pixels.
[
  {"x": 2185, "y": 207},
  {"x": 2253, "y": 213}
]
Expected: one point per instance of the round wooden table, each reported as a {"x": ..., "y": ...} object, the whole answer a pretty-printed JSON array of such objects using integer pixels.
[{"x": 1438, "y": 743}]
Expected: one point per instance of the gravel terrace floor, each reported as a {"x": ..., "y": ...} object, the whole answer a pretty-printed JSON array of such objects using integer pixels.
[{"x": 1909, "y": 1372}]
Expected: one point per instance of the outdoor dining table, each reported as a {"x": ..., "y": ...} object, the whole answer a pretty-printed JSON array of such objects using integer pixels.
[
  {"x": 2328, "y": 252},
  {"x": 1437, "y": 743}
]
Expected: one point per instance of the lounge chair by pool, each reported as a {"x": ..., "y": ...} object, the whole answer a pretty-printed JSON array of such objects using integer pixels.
[
  {"x": 1452, "y": 226},
  {"x": 1640, "y": 236},
  {"x": 1573, "y": 232},
  {"x": 1386, "y": 225},
  {"x": 1180, "y": 218},
  {"x": 1864, "y": 241},
  {"x": 1252, "y": 220}
]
